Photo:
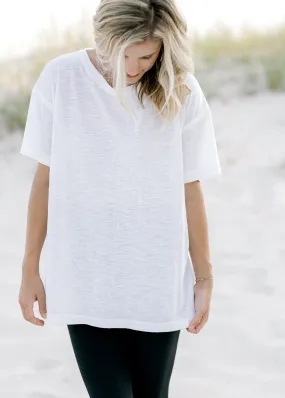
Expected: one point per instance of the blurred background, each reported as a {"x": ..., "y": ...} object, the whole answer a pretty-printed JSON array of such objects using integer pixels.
[{"x": 239, "y": 58}]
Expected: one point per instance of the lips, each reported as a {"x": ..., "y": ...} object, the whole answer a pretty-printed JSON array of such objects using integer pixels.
[{"x": 131, "y": 77}]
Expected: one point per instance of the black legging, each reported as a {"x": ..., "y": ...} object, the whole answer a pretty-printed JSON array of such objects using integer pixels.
[{"x": 124, "y": 363}]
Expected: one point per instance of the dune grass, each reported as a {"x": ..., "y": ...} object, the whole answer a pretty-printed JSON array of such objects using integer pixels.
[
  {"x": 225, "y": 64},
  {"x": 253, "y": 50}
]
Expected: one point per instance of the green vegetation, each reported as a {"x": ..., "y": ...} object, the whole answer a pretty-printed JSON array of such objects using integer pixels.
[
  {"x": 226, "y": 64},
  {"x": 260, "y": 55}
]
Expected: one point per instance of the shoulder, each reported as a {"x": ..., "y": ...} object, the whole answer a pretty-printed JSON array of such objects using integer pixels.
[
  {"x": 191, "y": 81},
  {"x": 61, "y": 63},
  {"x": 194, "y": 87},
  {"x": 196, "y": 102},
  {"x": 196, "y": 94},
  {"x": 56, "y": 70}
]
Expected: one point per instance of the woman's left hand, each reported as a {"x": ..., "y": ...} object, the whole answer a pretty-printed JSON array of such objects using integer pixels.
[{"x": 202, "y": 298}]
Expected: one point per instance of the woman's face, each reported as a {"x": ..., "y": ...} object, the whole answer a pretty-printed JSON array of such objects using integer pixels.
[{"x": 139, "y": 58}]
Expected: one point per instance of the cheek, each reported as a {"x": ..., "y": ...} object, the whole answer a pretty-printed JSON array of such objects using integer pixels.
[{"x": 149, "y": 66}]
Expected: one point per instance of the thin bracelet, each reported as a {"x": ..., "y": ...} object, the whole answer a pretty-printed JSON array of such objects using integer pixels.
[{"x": 204, "y": 279}]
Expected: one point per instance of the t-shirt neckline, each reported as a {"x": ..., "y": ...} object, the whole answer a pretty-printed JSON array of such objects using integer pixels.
[{"x": 95, "y": 74}]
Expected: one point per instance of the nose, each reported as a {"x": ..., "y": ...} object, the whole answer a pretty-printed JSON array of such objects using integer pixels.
[{"x": 132, "y": 68}]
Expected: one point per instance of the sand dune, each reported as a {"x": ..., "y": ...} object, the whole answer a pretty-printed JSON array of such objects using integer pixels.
[{"x": 241, "y": 351}]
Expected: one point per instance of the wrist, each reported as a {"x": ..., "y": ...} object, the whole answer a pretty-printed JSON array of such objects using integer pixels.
[
  {"x": 204, "y": 278},
  {"x": 30, "y": 269}
]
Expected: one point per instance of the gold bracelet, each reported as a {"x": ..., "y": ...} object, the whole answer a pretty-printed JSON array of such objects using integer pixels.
[{"x": 204, "y": 279}]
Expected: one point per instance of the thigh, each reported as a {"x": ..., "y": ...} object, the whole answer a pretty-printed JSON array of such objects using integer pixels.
[
  {"x": 153, "y": 357},
  {"x": 102, "y": 358}
]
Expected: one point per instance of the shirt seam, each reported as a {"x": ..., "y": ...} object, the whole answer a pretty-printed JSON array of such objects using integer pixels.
[{"x": 43, "y": 99}]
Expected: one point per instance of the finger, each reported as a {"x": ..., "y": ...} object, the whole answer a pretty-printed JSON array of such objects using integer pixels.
[
  {"x": 23, "y": 308},
  {"x": 202, "y": 323},
  {"x": 192, "y": 329},
  {"x": 42, "y": 306},
  {"x": 23, "y": 311},
  {"x": 195, "y": 321},
  {"x": 30, "y": 317}
]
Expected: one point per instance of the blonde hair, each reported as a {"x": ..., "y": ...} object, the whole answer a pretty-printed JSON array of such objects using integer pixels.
[{"x": 120, "y": 23}]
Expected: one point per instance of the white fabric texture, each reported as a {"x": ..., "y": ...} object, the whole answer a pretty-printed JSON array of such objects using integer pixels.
[{"x": 117, "y": 238}]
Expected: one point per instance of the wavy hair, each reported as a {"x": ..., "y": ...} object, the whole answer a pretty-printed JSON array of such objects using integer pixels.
[{"x": 120, "y": 23}]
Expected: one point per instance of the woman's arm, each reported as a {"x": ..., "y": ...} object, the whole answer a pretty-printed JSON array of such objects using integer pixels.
[
  {"x": 32, "y": 288},
  {"x": 199, "y": 252},
  {"x": 36, "y": 220},
  {"x": 197, "y": 230}
]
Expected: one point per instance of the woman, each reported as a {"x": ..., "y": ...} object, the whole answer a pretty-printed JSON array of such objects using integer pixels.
[{"x": 122, "y": 134}]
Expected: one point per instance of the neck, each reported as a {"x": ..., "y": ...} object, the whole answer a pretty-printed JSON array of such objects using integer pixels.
[{"x": 97, "y": 64}]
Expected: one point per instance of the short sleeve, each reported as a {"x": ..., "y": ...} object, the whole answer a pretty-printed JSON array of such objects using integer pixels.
[
  {"x": 37, "y": 139},
  {"x": 200, "y": 155}
]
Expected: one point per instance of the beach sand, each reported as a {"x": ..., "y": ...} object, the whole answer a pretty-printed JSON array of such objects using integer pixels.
[{"x": 241, "y": 350}]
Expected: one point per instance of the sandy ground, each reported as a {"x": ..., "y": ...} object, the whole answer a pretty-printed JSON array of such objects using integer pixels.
[{"x": 241, "y": 350}]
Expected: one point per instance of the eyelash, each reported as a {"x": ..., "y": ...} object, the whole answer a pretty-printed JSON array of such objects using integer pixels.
[{"x": 147, "y": 58}]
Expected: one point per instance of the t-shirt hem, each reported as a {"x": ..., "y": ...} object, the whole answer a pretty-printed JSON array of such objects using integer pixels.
[
  {"x": 39, "y": 157},
  {"x": 70, "y": 319},
  {"x": 201, "y": 175}
]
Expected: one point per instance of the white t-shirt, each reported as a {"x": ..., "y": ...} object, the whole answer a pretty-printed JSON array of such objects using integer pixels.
[{"x": 117, "y": 238}]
